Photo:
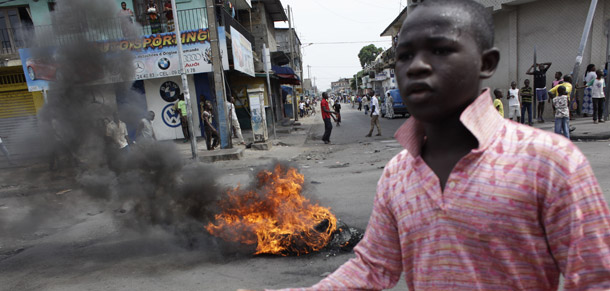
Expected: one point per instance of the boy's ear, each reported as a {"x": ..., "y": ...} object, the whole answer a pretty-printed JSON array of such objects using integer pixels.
[{"x": 490, "y": 59}]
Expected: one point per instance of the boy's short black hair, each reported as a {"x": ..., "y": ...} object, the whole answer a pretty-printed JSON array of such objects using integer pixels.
[
  {"x": 561, "y": 90},
  {"x": 482, "y": 21},
  {"x": 497, "y": 92}
]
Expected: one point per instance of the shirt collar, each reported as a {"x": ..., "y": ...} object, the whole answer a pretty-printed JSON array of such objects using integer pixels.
[{"x": 480, "y": 118}]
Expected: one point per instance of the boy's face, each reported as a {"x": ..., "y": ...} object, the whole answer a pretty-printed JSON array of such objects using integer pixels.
[
  {"x": 513, "y": 85},
  {"x": 526, "y": 83},
  {"x": 439, "y": 64},
  {"x": 498, "y": 94},
  {"x": 557, "y": 76}
]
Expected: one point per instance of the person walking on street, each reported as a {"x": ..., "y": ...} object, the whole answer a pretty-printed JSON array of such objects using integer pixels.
[
  {"x": 389, "y": 106},
  {"x": 539, "y": 73},
  {"x": 366, "y": 101},
  {"x": 562, "y": 112},
  {"x": 587, "y": 100},
  {"x": 359, "y": 103},
  {"x": 212, "y": 138},
  {"x": 234, "y": 120},
  {"x": 180, "y": 108},
  {"x": 597, "y": 95},
  {"x": 326, "y": 115},
  {"x": 337, "y": 108},
  {"x": 375, "y": 112}
]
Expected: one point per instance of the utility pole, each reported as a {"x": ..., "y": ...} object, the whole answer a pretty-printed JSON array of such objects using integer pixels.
[
  {"x": 267, "y": 65},
  {"x": 185, "y": 83},
  {"x": 608, "y": 68},
  {"x": 219, "y": 86},
  {"x": 290, "y": 32},
  {"x": 583, "y": 43}
]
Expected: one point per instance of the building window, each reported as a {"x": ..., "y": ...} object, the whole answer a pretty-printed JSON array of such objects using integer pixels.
[
  {"x": 154, "y": 14},
  {"x": 12, "y": 21}
]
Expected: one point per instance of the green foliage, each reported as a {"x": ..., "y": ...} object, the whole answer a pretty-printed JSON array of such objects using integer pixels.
[
  {"x": 358, "y": 76},
  {"x": 368, "y": 54}
]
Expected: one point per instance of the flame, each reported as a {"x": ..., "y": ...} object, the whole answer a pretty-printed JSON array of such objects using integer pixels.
[{"x": 274, "y": 216}]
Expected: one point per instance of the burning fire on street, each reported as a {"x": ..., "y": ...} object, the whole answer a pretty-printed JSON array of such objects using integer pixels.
[{"x": 275, "y": 217}]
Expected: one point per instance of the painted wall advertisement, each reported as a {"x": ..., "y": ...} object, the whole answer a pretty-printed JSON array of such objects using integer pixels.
[
  {"x": 242, "y": 53},
  {"x": 162, "y": 95},
  {"x": 155, "y": 56}
]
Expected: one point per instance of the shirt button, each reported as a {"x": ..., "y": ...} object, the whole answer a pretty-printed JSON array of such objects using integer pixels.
[{"x": 451, "y": 185}]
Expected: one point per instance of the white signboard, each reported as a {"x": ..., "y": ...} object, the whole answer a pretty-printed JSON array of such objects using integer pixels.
[
  {"x": 242, "y": 53},
  {"x": 158, "y": 57}
]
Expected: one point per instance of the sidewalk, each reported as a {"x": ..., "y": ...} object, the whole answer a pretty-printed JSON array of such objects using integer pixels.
[
  {"x": 585, "y": 130},
  {"x": 288, "y": 133}
]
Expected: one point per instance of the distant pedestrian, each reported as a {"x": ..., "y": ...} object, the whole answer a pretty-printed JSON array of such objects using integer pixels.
[
  {"x": 236, "y": 127},
  {"x": 337, "y": 108},
  {"x": 180, "y": 108},
  {"x": 212, "y": 138},
  {"x": 539, "y": 73},
  {"x": 558, "y": 79},
  {"x": 598, "y": 97},
  {"x": 145, "y": 131},
  {"x": 366, "y": 102},
  {"x": 375, "y": 112},
  {"x": 352, "y": 100},
  {"x": 498, "y": 102},
  {"x": 301, "y": 108},
  {"x": 562, "y": 112},
  {"x": 116, "y": 130},
  {"x": 514, "y": 107},
  {"x": 567, "y": 84},
  {"x": 326, "y": 115},
  {"x": 359, "y": 100},
  {"x": 526, "y": 93},
  {"x": 389, "y": 106},
  {"x": 7, "y": 155},
  {"x": 587, "y": 101}
]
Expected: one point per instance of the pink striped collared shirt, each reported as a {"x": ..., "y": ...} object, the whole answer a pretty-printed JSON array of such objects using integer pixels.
[{"x": 516, "y": 213}]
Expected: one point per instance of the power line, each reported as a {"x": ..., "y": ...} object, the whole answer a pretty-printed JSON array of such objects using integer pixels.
[{"x": 344, "y": 42}]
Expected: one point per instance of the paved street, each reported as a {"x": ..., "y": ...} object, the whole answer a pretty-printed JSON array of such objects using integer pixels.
[{"x": 79, "y": 245}]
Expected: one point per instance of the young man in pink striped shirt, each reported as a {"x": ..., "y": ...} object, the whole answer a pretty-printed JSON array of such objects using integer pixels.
[{"x": 474, "y": 201}]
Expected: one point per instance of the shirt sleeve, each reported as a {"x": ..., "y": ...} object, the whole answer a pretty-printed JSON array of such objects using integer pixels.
[
  {"x": 577, "y": 223},
  {"x": 590, "y": 83}
]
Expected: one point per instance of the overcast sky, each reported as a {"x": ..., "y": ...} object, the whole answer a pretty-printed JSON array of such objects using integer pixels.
[{"x": 320, "y": 21}]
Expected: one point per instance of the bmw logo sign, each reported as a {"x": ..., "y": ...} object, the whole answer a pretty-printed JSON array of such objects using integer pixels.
[
  {"x": 163, "y": 63},
  {"x": 169, "y": 91}
]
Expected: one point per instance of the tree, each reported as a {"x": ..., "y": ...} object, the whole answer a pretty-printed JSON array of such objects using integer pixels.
[{"x": 368, "y": 54}]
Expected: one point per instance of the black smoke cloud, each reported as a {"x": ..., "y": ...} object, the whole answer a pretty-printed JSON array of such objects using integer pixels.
[{"x": 151, "y": 187}]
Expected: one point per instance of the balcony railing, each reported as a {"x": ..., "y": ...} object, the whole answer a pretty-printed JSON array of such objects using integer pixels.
[{"x": 61, "y": 33}]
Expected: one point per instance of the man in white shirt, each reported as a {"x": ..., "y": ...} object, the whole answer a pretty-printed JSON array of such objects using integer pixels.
[
  {"x": 234, "y": 120},
  {"x": 145, "y": 130},
  {"x": 514, "y": 107},
  {"x": 375, "y": 112},
  {"x": 117, "y": 131}
]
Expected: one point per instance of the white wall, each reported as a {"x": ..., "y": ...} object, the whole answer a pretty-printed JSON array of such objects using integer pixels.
[{"x": 157, "y": 104}]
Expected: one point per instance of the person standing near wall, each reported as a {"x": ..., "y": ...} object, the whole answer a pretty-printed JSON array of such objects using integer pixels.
[
  {"x": 539, "y": 73},
  {"x": 180, "y": 108},
  {"x": 234, "y": 121},
  {"x": 587, "y": 101}
]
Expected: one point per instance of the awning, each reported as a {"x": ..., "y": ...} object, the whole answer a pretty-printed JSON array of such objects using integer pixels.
[{"x": 286, "y": 75}]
